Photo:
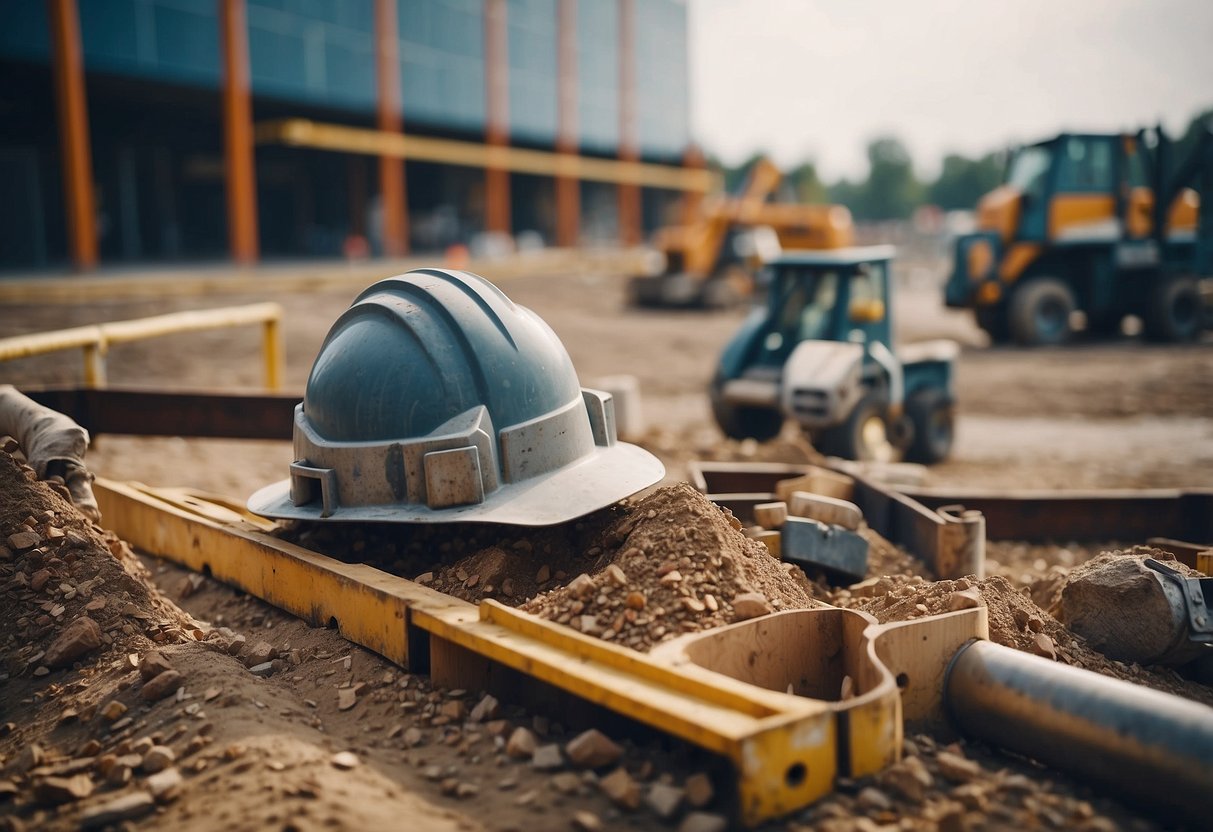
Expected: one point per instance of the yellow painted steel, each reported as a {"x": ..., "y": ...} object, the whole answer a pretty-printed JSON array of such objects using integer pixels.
[
  {"x": 785, "y": 749},
  {"x": 1018, "y": 257},
  {"x": 95, "y": 340},
  {"x": 305, "y": 133}
]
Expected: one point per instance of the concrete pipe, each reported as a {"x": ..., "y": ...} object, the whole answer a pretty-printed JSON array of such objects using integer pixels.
[{"x": 1147, "y": 745}]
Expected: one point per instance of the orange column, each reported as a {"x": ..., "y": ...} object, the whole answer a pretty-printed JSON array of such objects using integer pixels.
[
  {"x": 629, "y": 142},
  {"x": 497, "y": 114},
  {"x": 73, "y": 132},
  {"x": 568, "y": 188},
  {"x": 391, "y": 168},
  {"x": 238, "y": 133}
]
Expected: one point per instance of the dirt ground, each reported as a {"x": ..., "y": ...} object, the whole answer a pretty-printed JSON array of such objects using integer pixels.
[
  {"x": 258, "y": 751},
  {"x": 1116, "y": 414}
]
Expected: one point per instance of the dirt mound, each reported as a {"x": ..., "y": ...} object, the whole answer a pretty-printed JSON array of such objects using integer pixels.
[
  {"x": 471, "y": 561},
  {"x": 1016, "y": 621},
  {"x": 683, "y": 565},
  {"x": 71, "y": 590}
]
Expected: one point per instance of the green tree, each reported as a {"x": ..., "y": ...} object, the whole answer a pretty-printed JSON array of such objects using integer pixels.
[
  {"x": 892, "y": 191},
  {"x": 806, "y": 184},
  {"x": 962, "y": 181}
]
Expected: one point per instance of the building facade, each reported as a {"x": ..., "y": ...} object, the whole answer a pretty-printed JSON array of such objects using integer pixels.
[{"x": 170, "y": 130}]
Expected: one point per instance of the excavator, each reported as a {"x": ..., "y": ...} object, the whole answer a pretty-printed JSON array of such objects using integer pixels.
[
  {"x": 1106, "y": 224},
  {"x": 711, "y": 259}
]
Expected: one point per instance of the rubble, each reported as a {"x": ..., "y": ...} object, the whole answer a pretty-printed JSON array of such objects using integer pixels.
[
  {"x": 130, "y": 806},
  {"x": 621, "y": 789},
  {"x": 161, "y": 685},
  {"x": 592, "y": 749},
  {"x": 77, "y": 639}
]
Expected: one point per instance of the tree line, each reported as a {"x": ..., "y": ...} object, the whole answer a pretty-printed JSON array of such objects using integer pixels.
[{"x": 892, "y": 190}]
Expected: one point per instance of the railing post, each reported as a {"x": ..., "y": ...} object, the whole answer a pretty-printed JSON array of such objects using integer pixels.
[
  {"x": 275, "y": 359},
  {"x": 94, "y": 364}
]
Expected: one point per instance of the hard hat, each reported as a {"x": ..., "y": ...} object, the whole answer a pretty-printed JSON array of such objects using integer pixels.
[{"x": 434, "y": 398}]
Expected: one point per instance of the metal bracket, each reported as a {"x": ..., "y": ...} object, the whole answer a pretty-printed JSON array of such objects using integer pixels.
[{"x": 1188, "y": 594}]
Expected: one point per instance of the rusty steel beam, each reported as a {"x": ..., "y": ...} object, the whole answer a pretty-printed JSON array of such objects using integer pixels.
[
  {"x": 158, "y": 413},
  {"x": 497, "y": 116},
  {"x": 389, "y": 120},
  {"x": 568, "y": 187},
  {"x": 241, "y": 177},
  {"x": 74, "y": 141},
  {"x": 1097, "y": 517},
  {"x": 628, "y": 194}
]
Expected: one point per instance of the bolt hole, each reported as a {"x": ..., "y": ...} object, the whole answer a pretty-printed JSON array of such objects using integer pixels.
[
  {"x": 795, "y": 775},
  {"x": 206, "y": 570},
  {"x": 333, "y": 625},
  {"x": 903, "y": 681}
]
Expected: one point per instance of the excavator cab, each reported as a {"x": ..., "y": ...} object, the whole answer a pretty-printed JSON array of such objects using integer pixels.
[{"x": 1076, "y": 227}]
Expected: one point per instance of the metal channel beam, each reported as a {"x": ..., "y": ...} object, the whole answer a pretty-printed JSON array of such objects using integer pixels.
[
  {"x": 1039, "y": 517},
  {"x": 160, "y": 413},
  {"x": 951, "y": 544}
]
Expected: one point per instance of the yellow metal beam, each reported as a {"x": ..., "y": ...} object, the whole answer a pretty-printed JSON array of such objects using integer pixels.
[
  {"x": 299, "y": 132},
  {"x": 785, "y": 749}
]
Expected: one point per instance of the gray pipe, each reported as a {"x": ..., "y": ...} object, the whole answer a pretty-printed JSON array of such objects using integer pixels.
[{"x": 1144, "y": 744}]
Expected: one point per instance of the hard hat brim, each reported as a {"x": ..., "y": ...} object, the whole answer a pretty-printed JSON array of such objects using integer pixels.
[{"x": 608, "y": 475}]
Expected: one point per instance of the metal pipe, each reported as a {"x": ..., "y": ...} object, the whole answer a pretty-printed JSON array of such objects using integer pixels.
[{"x": 1143, "y": 743}]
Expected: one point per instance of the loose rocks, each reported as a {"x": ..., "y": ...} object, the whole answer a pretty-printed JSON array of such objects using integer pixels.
[{"x": 79, "y": 638}]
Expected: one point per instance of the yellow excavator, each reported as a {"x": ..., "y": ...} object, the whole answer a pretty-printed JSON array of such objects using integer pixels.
[{"x": 711, "y": 259}]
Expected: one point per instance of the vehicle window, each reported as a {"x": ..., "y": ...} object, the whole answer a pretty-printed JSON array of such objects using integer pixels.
[
  {"x": 1137, "y": 169},
  {"x": 868, "y": 282},
  {"x": 1086, "y": 166},
  {"x": 805, "y": 303},
  {"x": 1028, "y": 169}
]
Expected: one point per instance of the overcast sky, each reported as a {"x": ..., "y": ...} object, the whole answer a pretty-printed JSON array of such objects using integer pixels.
[{"x": 818, "y": 78}]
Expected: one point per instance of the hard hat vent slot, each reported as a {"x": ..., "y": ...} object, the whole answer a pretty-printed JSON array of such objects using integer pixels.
[{"x": 306, "y": 480}]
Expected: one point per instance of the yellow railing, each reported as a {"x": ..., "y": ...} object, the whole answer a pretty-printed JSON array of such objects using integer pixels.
[{"x": 95, "y": 340}]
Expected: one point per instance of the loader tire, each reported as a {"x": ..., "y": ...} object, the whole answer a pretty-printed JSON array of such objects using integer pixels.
[
  {"x": 745, "y": 421},
  {"x": 1174, "y": 311},
  {"x": 1039, "y": 313},
  {"x": 864, "y": 435},
  {"x": 934, "y": 420}
]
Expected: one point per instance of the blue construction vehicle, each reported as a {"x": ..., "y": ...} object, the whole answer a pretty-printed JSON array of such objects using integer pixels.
[{"x": 819, "y": 350}]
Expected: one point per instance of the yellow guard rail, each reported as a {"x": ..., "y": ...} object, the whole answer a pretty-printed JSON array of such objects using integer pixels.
[{"x": 96, "y": 339}]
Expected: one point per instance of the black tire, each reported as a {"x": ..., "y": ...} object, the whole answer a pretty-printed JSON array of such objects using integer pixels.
[
  {"x": 934, "y": 420},
  {"x": 993, "y": 320},
  {"x": 1174, "y": 310},
  {"x": 743, "y": 421},
  {"x": 1039, "y": 312},
  {"x": 858, "y": 437}
]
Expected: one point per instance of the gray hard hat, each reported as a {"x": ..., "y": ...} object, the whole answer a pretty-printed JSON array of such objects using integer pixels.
[{"x": 436, "y": 399}]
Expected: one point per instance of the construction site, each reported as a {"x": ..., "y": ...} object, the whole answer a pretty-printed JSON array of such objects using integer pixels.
[{"x": 499, "y": 468}]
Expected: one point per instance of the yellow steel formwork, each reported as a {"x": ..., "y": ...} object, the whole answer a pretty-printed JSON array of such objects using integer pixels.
[{"x": 785, "y": 749}]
